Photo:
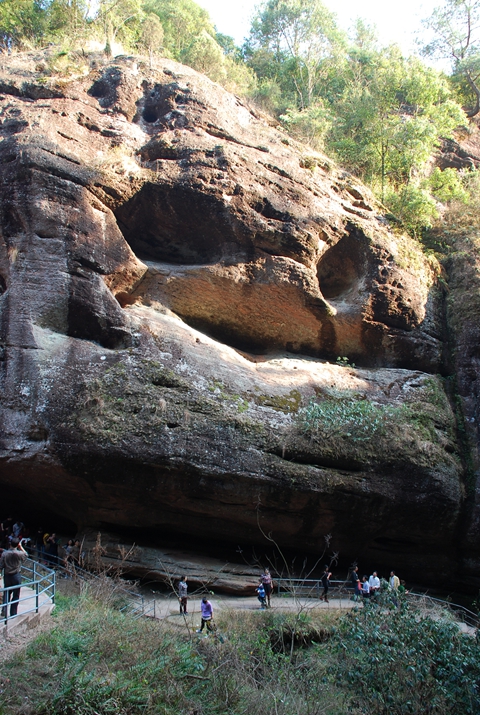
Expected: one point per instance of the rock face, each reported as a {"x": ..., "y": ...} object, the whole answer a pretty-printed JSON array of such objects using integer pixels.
[{"x": 177, "y": 277}]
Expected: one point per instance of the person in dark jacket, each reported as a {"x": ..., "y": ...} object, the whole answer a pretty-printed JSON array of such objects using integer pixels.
[
  {"x": 183, "y": 595},
  {"x": 326, "y": 576},
  {"x": 355, "y": 579},
  {"x": 11, "y": 563}
]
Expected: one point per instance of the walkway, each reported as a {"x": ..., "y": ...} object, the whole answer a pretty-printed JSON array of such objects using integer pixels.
[{"x": 168, "y": 607}]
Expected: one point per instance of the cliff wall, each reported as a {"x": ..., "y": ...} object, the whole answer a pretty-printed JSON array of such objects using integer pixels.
[{"x": 178, "y": 278}]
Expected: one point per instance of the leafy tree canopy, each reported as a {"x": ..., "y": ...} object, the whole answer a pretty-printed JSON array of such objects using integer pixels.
[{"x": 455, "y": 30}]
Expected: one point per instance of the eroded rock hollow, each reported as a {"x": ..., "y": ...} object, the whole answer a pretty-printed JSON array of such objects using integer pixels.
[{"x": 178, "y": 278}]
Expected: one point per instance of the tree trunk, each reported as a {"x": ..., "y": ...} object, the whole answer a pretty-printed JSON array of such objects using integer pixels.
[{"x": 473, "y": 85}]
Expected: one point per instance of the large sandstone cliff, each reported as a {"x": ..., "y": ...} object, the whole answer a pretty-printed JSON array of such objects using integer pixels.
[{"x": 178, "y": 279}]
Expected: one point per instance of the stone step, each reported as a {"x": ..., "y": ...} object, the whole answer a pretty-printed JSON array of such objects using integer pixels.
[{"x": 27, "y": 617}]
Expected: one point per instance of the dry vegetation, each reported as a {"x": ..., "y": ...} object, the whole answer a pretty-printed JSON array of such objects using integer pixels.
[{"x": 382, "y": 659}]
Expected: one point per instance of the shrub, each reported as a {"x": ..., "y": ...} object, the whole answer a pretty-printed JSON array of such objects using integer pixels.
[
  {"x": 400, "y": 662},
  {"x": 358, "y": 420}
]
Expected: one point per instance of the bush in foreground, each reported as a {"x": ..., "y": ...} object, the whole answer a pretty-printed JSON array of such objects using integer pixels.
[{"x": 99, "y": 661}]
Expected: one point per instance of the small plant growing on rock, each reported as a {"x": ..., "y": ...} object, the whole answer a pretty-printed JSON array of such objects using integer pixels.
[
  {"x": 358, "y": 420},
  {"x": 344, "y": 362}
]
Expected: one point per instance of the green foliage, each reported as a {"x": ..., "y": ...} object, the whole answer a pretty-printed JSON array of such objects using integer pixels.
[
  {"x": 382, "y": 115},
  {"x": 205, "y": 55},
  {"x": 447, "y": 185},
  {"x": 357, "y": 420},
  {"x": 68, "y": 20},
  {"x": 390, "y": 117},
  {"x": 462, "y": 217},
  {"x": 413, "y": 205},
  {"x": 416, "y": 203},
  {"x": 151, "y": 35},
  {"x": 23, "y": 23},
  {"x": 344, "y": 361},
  {"x": 190, "y": 37},
  {"x": 182, "y": 22},
  {"x": 294, "y": 42},
  {"x": 310, "y": 125},
  {"x": 400, "y": 662},
  {"x": 455, "y": 35},
  {"x": 96, "y": 661},
  {"x": 386, "y": 660},
  {"x": 120, "y": 21}
]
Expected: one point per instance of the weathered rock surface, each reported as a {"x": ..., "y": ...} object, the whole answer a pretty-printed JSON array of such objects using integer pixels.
[
  {"x": 175, "y": 275},
  {"x": 463, "y": 305}
]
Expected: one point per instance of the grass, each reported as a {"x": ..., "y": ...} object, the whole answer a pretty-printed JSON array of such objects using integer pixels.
[
  {"x": 349, "y": 425},
  {"x": 98, "y": 661}
]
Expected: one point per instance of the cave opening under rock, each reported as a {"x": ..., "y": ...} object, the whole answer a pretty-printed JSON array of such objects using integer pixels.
[
  {"x": 175, "y": 224},
  {"x": 342, "y": 267}
]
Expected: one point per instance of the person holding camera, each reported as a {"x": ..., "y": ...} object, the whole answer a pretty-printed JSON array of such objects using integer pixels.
[{"x": 11, "y": 563}]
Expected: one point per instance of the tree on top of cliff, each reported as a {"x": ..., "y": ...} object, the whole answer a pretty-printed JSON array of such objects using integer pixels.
[
  {"x": 152, "y": 34},
  {"x": 22, "y": 22},
  {"x": 119, "y": 19},
  {"x": 390, "y": 116},
  {"x": 294, "y": 42},
  {"x": 182, "y": 21},
  {"x": 455, "y": 29}
]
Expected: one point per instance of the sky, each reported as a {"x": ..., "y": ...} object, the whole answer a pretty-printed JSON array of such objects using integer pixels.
[{"x": 396, "y": 21}]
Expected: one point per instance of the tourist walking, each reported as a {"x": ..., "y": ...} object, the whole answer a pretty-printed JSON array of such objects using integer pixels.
[
  {"x": 326, "y": 576},
  {"x": 266, "y": 579},
  {"x": 207, "y": 615},
  {"x": 182, "y": 595},
  {"x": 11, "y": 563}
]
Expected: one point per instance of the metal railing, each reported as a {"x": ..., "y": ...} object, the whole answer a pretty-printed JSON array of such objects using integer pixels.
[
  {"x": 126, "y": 601},
  {"x": 310, "y": 588},
  {"x": 459, "y": 613},
  {"x": 313, "y": 588},
  {"x": 42, "y": 581}
]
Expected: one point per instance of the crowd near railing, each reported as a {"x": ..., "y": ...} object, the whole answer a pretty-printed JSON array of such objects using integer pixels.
[
  {"x": 310, "y": 587},
  {"x": 40, "y": 580},
  {"x": 313, "y": 588}
]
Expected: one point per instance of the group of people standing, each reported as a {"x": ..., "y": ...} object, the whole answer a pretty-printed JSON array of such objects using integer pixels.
[
  {"x": 42, "y": 545},
  {"x": 16, "y": 544},
  {"x": 368, "y": 587}
]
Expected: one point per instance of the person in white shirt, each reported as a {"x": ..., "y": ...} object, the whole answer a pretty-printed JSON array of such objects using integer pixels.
[{"x": 374, "y": 583}]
